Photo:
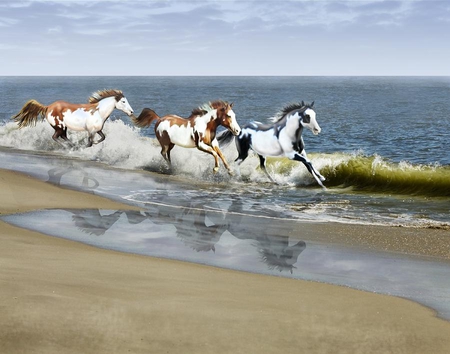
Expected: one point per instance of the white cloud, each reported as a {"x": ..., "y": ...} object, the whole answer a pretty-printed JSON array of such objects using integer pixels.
[{"x": 54, "y": 30}]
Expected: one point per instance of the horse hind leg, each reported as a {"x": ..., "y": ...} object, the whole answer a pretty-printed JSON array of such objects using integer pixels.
[
  {"x": 90, "y": 140},
  {"x": 169, "y": 149},
  {"x": 64, "y": 136},
  {"x": 59, "y": 132},
  {"x": 102, "y": 137},
  {"x": 262, "y": 165},
  {"x": 243, "y": 147}
]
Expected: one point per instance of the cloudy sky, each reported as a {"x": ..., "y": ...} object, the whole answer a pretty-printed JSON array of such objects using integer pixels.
[{"x": 224, "y": 37}]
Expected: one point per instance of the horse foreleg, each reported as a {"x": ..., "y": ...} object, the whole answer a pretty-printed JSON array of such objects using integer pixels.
[
  {"x": 208, "y": 149},
  {"x": 216, "y": 148},
  {"x": 317, "y": 176},
  {"x": 262, "y": 165}
]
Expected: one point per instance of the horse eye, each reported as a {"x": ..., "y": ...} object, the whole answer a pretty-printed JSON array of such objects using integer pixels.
[{"x": 307, "y": 118}]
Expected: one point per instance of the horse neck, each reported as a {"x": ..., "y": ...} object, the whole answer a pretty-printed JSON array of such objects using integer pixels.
[
  {"x": 293, "y": 122},
  {"x": 210, "y": 119},
  {"x": 106, "y": 107}
]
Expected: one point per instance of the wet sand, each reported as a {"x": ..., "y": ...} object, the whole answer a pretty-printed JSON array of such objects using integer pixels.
[{"x": 59, "y": 296}]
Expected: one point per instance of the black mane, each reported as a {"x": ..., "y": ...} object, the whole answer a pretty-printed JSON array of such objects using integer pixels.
[{"x": 301, "y": 107}]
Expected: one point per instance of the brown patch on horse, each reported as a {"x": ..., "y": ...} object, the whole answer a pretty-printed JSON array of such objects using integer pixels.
[
  {"x": 57, "y": 109},
  {"x": 96, "y": 97}
]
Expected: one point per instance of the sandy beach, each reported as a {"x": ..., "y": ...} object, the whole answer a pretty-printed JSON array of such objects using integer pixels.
[{"x": 59, "y": 296}]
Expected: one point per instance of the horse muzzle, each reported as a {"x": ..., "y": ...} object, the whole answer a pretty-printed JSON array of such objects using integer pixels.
[{"x": 236, "y": 132}]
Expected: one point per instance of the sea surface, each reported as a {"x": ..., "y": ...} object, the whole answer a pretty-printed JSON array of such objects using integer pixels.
[{"x": 384, "y": 150}]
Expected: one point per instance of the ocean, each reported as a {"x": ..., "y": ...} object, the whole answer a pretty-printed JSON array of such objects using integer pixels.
[
  {"x": 383, "y": 147},
  {"x": 383, "y": 150}
]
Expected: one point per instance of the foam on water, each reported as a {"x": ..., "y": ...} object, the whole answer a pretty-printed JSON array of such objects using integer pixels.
[{"x": 126, "y": 147}]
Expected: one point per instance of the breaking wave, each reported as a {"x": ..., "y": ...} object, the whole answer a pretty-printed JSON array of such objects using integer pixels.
[{"x": 126, "y": 147}]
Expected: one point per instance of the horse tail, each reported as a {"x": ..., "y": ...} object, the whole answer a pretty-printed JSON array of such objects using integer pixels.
[
  {"x": 30, "y": 113},
  {"x": 224, "y": 138},
  {"x": 146, "y": 118}
]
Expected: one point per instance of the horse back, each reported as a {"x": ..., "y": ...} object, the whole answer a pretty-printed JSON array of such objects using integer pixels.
[{"x": 58, "y": 108}]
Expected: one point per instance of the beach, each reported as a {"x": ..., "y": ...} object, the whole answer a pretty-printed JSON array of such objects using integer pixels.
[{"x": 60, "y": 296}]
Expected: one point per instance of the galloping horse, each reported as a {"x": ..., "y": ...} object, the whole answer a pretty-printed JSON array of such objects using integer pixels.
[
  {"x": 199, "y": 130},
  {"x": 88, "y": 117},
  {"x": 282, "y": 138}
]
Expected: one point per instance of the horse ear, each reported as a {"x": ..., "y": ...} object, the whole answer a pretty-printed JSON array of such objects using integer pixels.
[
  {"x": 231, "y": 105},
  {"x": 303, "y": 103},
  {"x": 312, "y": 104}
]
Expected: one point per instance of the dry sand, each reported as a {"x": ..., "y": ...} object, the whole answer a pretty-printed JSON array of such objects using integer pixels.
[{"x": 58, "y": 296}]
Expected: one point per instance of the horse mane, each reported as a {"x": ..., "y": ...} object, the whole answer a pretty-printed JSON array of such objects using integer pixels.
[
  {"x": 96, "y": 97},
  {"x": 208, "y": 107},
  {"x": 300, "y": 106}
]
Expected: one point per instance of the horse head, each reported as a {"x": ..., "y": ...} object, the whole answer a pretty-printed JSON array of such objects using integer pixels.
[
  {"x": 123, "y": 105},
  {"x": 308, "y": 119},
  {"x": 227, "y": 118}
]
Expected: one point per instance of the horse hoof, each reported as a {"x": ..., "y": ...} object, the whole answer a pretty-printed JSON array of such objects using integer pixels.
[
  {"x": 216, "y": 169},
  {"x": 231, "y": 173}
]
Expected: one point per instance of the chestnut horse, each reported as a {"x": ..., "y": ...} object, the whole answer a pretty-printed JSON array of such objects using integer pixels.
[
  {"x": 88, "y": 117},
  {"x": 198, "y": 130}
]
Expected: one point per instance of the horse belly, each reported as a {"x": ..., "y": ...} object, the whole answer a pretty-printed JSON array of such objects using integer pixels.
[
  {"x": 266, "y": 144},
  {"x": 179, "y": 134}
]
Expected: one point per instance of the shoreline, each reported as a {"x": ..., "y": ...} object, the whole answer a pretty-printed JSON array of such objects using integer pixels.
[{"x": 67, "y": 297}]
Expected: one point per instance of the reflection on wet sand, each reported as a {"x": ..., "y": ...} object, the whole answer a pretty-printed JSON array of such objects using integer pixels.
[{"x": 200, "y": 228}]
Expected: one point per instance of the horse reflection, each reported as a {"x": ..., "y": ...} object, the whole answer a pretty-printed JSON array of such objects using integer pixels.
[
  {"x": 93, "y": 222},
  {"x": 200, "y": 227},
  {"x": 55, "y": 175}
]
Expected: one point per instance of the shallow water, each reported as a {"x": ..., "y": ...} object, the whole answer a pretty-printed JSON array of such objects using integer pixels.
[{"x": 202, "y": 223}]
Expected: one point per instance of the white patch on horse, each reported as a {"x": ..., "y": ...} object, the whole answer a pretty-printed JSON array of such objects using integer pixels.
[
  {"x": 77, "y": 120},
  {"x": 265, "y": 143},
  {"x": 179, "y": 135}
]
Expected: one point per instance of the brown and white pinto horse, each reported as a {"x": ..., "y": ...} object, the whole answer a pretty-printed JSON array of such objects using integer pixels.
[
  {"x": 63, "y": 115},
  {"x": 199, "y": 130}
]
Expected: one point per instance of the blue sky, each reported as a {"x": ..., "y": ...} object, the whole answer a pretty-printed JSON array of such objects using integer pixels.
[{"x": 217, "y": 37}]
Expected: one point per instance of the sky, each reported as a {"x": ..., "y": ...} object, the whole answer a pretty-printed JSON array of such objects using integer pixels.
[{"x": 225, "y": 37}]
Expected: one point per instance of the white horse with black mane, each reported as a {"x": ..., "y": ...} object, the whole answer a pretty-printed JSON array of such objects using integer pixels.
[{"x": 281, "y": 138}]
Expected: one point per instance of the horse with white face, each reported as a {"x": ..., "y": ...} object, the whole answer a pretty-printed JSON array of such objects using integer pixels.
[
  {"x": 282, "y": 138},
  {"x": 198, "y": 130},
  {"x": 63, "y": 115}
]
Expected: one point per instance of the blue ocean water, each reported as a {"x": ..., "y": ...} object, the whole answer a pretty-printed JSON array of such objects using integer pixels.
[{"x": 383, "y": 146}]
